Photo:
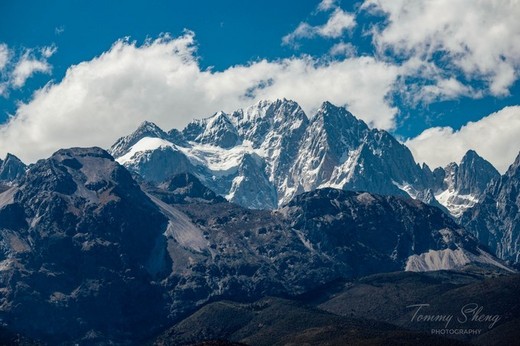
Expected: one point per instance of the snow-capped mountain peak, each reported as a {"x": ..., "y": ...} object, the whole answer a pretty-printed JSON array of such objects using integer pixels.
[
  {"x": 294, "y": 154},
  {"x": 216, "y": 130},
  {"x": 145, "y": 129},
  {"x": 265, "y": 118}
]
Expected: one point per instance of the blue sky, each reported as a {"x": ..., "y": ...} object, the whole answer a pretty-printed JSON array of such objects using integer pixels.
[{"x": 421, "y": 70}]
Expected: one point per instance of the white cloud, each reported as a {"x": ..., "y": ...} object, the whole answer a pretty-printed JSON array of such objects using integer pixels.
[
  {"x": 495, "y": 137},
  {"x": 26, "y": 67},
  {"x": 326, "y": 5},
  {"x": 4, "y": 59},
  {"x": 475, "y": 38},
  {"x": 16, "y": 69},
  {"x": 424, "y": 82},
  {"x": 107, "y": 97},
  {"x": 343, "y": 49},
  {"x": 443, "y": 89},
  {"x": 338, "y": 22},
  {"x": 4, "y": 55},
  {"x": 48, "y": 51}
]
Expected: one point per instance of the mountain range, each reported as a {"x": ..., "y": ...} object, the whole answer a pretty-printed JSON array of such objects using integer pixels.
[
  {"x": 262, "y": 156},
  {"x": 130, "y": 245}
]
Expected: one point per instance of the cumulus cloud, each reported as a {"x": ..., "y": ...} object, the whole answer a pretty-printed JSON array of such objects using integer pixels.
[
  {"x": 161, "y": 80},
  {"x": 477, "y": 39},
  {"x": 26, "y": 67},
  {"x": 494, "y": 137},
  {"x": 16, "y": 69},
  {"x": 338, "y": 22}
]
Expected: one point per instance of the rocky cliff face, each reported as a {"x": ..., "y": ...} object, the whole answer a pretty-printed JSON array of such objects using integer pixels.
[
  {"x": 340, "y": 151},
  {"x": 495, "y": 220}
]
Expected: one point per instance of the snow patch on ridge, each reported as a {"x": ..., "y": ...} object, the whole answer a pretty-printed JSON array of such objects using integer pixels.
[
  {"x": 143, "y": 145},
  {"x": 219, "y": 160},
  {"x": 407, "y": 187},
  {"x": 454, "y": 202},
  {"x": 344, "y": 173}
]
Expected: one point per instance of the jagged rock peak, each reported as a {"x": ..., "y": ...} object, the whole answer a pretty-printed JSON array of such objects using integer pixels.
[
  {"x": 12, "y": 168},
  {"x": 514, "y": 169},
  {"x": 10, "y": 156},
  {"x": 474, "y": 174},
  {"x": 338, "y": 125},
  {"x": 331, "y": 112},
  {"x": 495, "y": 219},
  {"x": 148, "y": 129},
  {"x": 471, "y": 157},
  {"x": 328, "y": 106},
  {"x": 216, "y": 130},
  {"x": 281, "y": 109},
  {"x": 459, "y": 186},
  {"x": 266, "y": 120},
  {"x": 149, "y": 126}
]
